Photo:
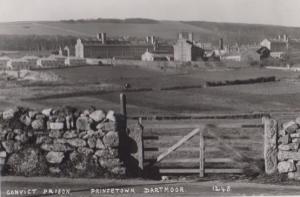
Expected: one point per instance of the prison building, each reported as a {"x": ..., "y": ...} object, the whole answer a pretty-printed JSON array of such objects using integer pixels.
[
  {"x": 96, "y": 49},
  {"x": 154, "y": 56},
  {"x": 185, "y": 50}
]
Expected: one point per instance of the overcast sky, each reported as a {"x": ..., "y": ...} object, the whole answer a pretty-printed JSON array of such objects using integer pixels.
[{"x": 278, "y": 12}]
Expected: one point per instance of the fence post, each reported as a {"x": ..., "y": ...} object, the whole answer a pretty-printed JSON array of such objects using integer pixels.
[
  {"x": 201, "y": 157},
  {"x": 123, "y": 110},
  {"x": 137, "y": 136},
  {"x": 270, "y": 144}
]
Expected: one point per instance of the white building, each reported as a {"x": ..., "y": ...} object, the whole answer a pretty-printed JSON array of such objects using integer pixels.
[
  {"x": 148, "y": 56},
  {"x": 18, "y": 64}
]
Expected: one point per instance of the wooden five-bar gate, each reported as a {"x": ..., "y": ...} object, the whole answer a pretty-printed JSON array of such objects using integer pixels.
[{"x": 200, "y": 146}]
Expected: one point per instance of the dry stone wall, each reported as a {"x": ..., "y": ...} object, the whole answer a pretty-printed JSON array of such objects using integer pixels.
[
  {"x": 289, "y": 149},
  {"x": 61, "y": 142},
  {"x": 282, "y": 148}
]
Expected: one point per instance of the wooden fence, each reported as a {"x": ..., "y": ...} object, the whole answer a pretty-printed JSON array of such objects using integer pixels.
[{"x": 203, "y": 144}]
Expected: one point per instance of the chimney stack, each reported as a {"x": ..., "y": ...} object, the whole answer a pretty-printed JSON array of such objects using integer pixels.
[
  {"x": 190, "y": 37},
  {"x": 180, "y": 36},
  {"x": 147, "y": 39},
  {"x": 101, "y": 37},
  {"x": 221, "y": 44},
  {"x": 152, "y": 40},
  {"x": 285, "y": 38}
]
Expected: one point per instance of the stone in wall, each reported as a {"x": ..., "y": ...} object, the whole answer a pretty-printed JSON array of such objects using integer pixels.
[
  {"x": 287, "y": 147},
  {"x": 70, "y": 134},
  {"x": 55, "y": 157},
  {"x": 290, "y": 127},
  {"x": 286, "y": 139},
  {"x": 83, "y": 123},
  {"x": 56, "y": 133},
  {"x": 76, "y": 142},
  {"x": 92, "y": 142},
  {"x": 9, "y": 114},
  {"x": 98, "y": 115},
  {"x": 38, "y": 124},
  {"x": 286, "y": 166},
  {"x": 285, "y": 155},
  {"x": 28, "y": 162},
  {"x": 56, "y": 125},
  {"x": 111, "y": 139}
]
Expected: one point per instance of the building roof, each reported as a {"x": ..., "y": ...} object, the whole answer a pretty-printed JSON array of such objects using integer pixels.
[{"x": 113, "y": 43}]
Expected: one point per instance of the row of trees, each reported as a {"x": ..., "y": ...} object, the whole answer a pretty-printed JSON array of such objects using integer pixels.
[{"x": 35, "y": 42}]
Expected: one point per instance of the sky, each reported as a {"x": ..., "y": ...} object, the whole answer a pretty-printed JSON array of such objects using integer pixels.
[{"x": 276, "y": 12}]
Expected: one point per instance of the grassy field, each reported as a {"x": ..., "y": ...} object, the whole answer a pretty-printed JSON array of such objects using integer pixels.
[{"x": 270, "y": 96}]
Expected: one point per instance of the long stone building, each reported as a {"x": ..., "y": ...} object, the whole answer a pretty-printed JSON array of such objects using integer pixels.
[{"x": 104, "y": 48}]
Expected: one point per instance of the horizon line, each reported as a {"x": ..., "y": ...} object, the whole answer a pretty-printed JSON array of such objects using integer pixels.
[{"x": 174, "y": 20}]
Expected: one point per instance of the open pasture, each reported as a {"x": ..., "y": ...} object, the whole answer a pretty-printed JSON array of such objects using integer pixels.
[{"x": 282, "y": 94}]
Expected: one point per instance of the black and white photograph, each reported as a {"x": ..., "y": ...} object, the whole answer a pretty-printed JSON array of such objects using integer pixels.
[{"x": 149, "y": 98}]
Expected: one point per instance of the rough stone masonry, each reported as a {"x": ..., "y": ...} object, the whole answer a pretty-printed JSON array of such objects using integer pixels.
[
  {"x": 60, "y": 142},
  {"x": 286, "y": 148}
]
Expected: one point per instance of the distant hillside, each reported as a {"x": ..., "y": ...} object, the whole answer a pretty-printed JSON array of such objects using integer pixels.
[
  {"x": 246, "y": 33},
  {"x": 113, "y": 20},
  {"x": 137, "y": 27}
]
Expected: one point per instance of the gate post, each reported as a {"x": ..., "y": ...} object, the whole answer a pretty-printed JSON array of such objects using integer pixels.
[
  {"x": 137, "y": 135},
  {"x": 123, "y": 109},
  {"x": 201, "y": 155},
  {"x": 270, "y": 144}
]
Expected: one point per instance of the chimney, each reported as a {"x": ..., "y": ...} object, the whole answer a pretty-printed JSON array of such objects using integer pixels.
[
  {"x": 180, "y": 36},
  {"x": 152, "y": 40},
  {"x": 147, "y": 39},
  {"x": 99, "y": 36},
  {"x": 279, "y": 37},
  {"x": 103, "y": 38},
  {"x": 190, "y": 38},
  {"x": 285, "y": 38},
  {"x": 221, "y": 44}
]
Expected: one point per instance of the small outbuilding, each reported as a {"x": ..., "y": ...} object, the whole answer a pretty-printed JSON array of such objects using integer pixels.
[
  {"x": 75, "y": 61},
  {"x": 18, "y": 64},
  {"x": 3, "y": 61},
  {"x": 148, "y": 56},
  {"x": 31, "y": 59},
  {"x": 47, "y": 62}
]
